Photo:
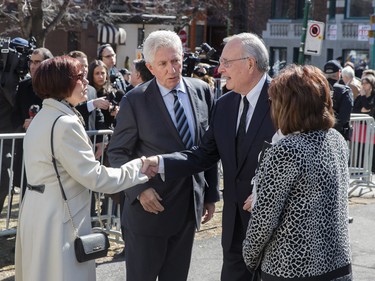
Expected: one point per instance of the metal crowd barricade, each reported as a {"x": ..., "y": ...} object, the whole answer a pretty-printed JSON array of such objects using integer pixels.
[
  {"x": 7, "y": 149},
  {"x": 361, "y": 148},
  {"x": 109, "y": 222}
]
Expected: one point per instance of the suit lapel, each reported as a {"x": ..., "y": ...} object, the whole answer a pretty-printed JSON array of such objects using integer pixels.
[
  {"x": 260, "y": 112},
  {"x": 193, "y": 98},
  {"x": 156, "y": 99}
]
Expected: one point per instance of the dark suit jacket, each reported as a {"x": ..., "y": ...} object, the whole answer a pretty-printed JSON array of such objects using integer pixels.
[
  {"x": 25, "y": 97},
  {"x": 219, "y": 142},
  {"x": 144, "y": 127}
]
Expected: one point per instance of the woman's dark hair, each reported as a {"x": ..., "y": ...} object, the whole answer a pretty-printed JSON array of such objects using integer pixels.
[
  {"x": 90, "y": 75},
  {"x": 371, "y": 80},
  {"x": 56, "y": 77},
  {"x": 301, "y": 100}
]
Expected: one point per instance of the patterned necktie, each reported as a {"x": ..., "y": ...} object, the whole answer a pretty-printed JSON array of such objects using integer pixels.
[
  {"x": 181, "y": 120},
  {"x": 241, "y": 132}
]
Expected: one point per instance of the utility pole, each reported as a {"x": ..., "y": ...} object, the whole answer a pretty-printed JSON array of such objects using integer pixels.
[{"x": 301, "y": 55}]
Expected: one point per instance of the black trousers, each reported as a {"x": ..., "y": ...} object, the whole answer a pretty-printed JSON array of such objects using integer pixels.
[
  {"x": 234, "y": 267},
  {"x": 166, "y": 258}
]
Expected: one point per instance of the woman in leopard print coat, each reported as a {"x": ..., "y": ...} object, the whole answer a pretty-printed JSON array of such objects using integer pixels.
[{"x": 298, "y": 229}]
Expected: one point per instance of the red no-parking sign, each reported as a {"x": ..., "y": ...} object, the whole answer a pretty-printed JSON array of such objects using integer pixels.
[
  {"x": 183, "y": 36},
  {"x": 314, "y": 38}
]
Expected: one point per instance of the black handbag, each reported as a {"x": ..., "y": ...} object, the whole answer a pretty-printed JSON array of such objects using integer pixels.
[
  {"x": 86, "y": 247},
  {"x": 91, "y": 246}
]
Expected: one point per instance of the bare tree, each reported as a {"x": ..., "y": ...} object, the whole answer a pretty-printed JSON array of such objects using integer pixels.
[{"x": 39, "y": 17}]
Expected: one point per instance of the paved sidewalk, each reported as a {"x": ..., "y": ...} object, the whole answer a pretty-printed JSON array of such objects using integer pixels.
[{"x": 207, "y": 255}]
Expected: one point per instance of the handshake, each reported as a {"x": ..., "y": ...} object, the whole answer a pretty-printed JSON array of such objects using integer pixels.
[{"x": 150, "y": 166}]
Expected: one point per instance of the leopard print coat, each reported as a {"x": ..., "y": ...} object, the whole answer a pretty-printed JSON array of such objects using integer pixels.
[{"x": 300, "y": 218}]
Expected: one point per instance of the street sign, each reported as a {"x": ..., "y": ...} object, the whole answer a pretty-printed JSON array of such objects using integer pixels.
[
  {"x": 183, "y": 36},
  {"x": 314, "y": 38}
]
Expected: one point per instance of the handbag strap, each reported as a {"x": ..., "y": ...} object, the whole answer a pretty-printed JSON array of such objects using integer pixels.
[{"x": 59, "y": 180}]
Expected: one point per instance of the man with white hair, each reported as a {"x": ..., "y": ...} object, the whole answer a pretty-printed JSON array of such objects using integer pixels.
[{"x": 350, "y": 80}]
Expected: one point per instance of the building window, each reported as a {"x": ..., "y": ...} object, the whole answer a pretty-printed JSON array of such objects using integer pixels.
[
  {"x": 329, "y": 54},
  {"x": 280, "y": 9},
  {"x": 296, "y": 56},
  {"x": 283, "y": 9},
  {"x": 359, "y": 8},
  {"x": 199, "y": 36},
  {"x": 278, "y": 59},
  {"x": 300, "y": 8},
  {"x": 332, "y": 9},
  {"x": 141, "y": 36},
  {"x": 73, "y": 43},
  {"x": 360, "y": 58}
]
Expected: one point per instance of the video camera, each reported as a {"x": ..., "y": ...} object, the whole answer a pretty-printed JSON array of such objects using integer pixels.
[
  {"x": 14, "y": 58},
  {"x": 114, "y": 98},
  {"x": 15, "y": 55},
  {"x": 191, "y": 59}
]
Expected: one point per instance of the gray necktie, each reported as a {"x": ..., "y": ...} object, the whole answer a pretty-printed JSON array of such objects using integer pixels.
[{"x": 182, "y": 122}]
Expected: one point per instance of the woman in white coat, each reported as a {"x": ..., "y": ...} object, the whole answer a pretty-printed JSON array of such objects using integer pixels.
[{"x": 45, "y": 236}]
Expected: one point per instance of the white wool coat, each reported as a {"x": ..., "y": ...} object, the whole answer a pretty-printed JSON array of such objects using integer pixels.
[{"x": 45, "y": 236}]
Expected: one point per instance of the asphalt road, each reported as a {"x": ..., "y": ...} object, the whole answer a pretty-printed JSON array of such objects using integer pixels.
[{"x": 207, "y": 256}]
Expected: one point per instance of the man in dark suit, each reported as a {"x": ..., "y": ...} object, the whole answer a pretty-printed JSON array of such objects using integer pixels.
[
  {"x": 342, "y": 98},
  {"x": 160, "y": 218},
  {"x": 240, "y": 124}
]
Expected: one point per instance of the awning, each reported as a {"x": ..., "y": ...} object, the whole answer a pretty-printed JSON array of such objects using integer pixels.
[{"x": 111, "y": 34}]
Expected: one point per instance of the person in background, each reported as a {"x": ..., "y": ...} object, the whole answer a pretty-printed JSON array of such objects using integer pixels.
[
  {"x": 160, "y": 218},
  {"x": 300, "y": 216},
  {"x": 240, "y": 125},
  {"x": 108, "y": 56},
  {"x": 368, "y": 72},
  {"x": 365, "y": 101},
  {"x": 140, "y": 73},
  {"x": 90, "y": 109},
  {"x": 201, "y": 72},
  {"x": 127, "y": 77},
  {"x": 28, "y": 102},
  {"x": 10, "y": 81},
  {"x": 43, "y": 229},
  {"x": 351, "y": 81},
  {"x": 342, "y": 98},
  {"x": 26, "y": 106},
  {"x": 98, "y": 78}
]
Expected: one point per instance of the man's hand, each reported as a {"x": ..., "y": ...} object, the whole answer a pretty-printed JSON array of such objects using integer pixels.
[
  {"x": 149, "y": 200},
  {"x": 150, "y": 166},
  {"x": 26, "y": 124},
  {"x": 247, "y": 203},
  {"x": 101, "y": 103},
  {"x": 208, "y": 212},
  {"x": 99, "y": 148}
]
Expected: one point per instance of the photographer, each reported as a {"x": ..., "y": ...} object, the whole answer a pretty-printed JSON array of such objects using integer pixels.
[
  {"x": 27, "y": 105},
  {"x": 98, "y": 78},
  {"x": 108, "y": 56},
  {"x": 13, "y": 66}
]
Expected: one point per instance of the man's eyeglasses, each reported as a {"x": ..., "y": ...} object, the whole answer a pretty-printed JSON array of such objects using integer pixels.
[
  {"x": 227, "y": 63},
  {"x": 34, "y": 62},
  {"x": 81, "y": 76},
  {"x": 109, "y": 56}
]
